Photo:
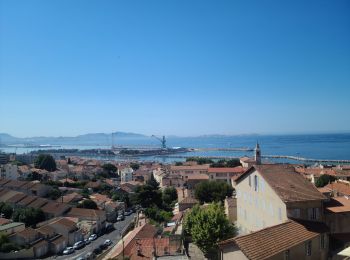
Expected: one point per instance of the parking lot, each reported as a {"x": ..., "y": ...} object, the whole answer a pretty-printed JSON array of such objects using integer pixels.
[{"x": 114, "y": 236}]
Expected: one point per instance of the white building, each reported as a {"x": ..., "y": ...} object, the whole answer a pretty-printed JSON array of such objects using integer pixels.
[
  {"x": 126, "y": 174},
  {"x": 9, "y": 171}
]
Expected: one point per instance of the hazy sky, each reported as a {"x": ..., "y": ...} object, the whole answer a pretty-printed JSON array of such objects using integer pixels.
[{"x": 180, "y": 67}]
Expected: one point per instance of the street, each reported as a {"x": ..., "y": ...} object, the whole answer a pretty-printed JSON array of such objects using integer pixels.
[{"x": 114, "y": 236}]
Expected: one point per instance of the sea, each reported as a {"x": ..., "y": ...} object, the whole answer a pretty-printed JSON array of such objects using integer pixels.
[{"x": 312, "y": 146}]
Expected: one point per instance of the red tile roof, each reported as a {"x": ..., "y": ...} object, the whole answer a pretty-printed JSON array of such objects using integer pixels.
[
  {"x": 238, "y": 169},
  {"x": 339, "y": 187},
  {"x": 338, "y": 205},
  {"x": 287, "y": 183},
  {"x": 266, "y": 243}
]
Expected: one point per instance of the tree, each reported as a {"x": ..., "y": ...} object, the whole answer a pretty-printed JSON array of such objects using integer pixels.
[
  {"x": 134, "y": 166},
  {"x": 212, "y": 191},
  {"x": 110, "y": 169},
  {"x": 208, "y": 226},
  {"x": 148, "y": 196},
  {"x": 152, "y": 182},
  {"x": 178, "y": 163},
  {"x": 169, "y": 195},
  {"x": 29, "y": 216},
  {"x": 5, "y": 245},
  {"x": 6, "y": 209},
  {"x": 199, "y": 160},
  {"x": 46, "y": 162},
  {"x": 226, "y": 163},
  {"x": 54, "y": 194},
  {"x": 88, "y": 204},
  {"x": 324, "y": 180}
]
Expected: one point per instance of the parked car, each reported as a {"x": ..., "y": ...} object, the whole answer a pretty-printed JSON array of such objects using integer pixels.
[
  {"x": 103, "y": 246},
  {"x": 78, "y": 245},
  {"x": 80, "y": 258},
  {"x": 93, "y": 237},
  {"x": 120, "y": 218},
  {"x": 107, "y": 242},
  {"x": 128, "y": 213},
  {"x": 87, "y": 241},
  {"x": 90, "y": 256},
  {"x": 109, "y": 228},
  {"x": 97, "y": 251},
  {"x": 68, "y": 251}
]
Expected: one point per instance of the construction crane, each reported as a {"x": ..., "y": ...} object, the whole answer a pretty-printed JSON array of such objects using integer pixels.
[{"x": 161, "y": 140}]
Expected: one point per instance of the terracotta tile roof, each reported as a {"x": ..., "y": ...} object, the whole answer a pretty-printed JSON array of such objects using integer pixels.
[
  {"x": 238, "y": 169},
  {"x": 141, "y": 232},
  {"x": 27, "y": 200},
  {"x": 324, "y": 190},
  {"x": 88, "y": 213},
  {"x": 93, "y": 184},
  {"x": 8, "y": 194},
  {"x": 27, "y": 233},
  {"x": 16, "y": 198},
  {"x": 266, "y": 243},
  {"x": 4, "y": 181},
  {"x": 197, "y": 177},
  {"x": 4, "y": 221},
  {"x": 55, "y": 207},
  {"x": 146, "y": 247},
  {"x": 202, "y": 167},
  {"x": 71, "y": 197},
  {"x": 46, "y": 230},
  {"x": 339, "y": 187},
  {"x": 58, "y": 240},
  {"x": 28, "y": 186},
  {"x": 315, "y": 171},
  {"x": 287, "y": 183},
  {"x": 38, "y": 203},
  {"x": 338, "y": 205},
  {"x": 15, "y": 184},
  {"x": 69, "y": 224}
]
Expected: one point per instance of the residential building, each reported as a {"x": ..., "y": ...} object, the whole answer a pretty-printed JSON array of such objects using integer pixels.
[
  {"x": 126, "y": 174},
  {"x": 9, "y": 171},
  {"x": 225, "y": 174},
  {"x": 186, "y": 203},
  {"x": 189, "y": 169},
  {"x": 11, "y": 228},
  {"x": 67, "y": 228},
  {"x": 288, "y": 240},
  {"x": 268, "y": 195}
]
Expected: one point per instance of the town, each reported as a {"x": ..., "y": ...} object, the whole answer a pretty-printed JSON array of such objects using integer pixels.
[{"x": 243, "y": 208}]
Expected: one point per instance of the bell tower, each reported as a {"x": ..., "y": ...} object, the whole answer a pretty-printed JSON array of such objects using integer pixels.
[{"x": 257, "y": 155}]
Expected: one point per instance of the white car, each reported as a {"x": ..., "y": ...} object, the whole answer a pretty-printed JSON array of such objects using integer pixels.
[
  {"x": 107, "y": 242},
  {"x": 93, "y": 237},
  {"x": 68, "y": 250}
]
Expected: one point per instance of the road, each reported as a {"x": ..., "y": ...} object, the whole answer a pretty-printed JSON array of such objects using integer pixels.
[{"x": 114, "y": 236}]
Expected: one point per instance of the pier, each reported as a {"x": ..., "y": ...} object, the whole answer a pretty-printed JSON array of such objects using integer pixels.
[{"x": 302, "y": 159}]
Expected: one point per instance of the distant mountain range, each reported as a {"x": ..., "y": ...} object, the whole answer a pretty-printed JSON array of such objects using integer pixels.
[{"x": 86, "y": 139}]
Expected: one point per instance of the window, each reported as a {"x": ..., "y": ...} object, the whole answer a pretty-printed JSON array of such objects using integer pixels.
[
  {"x": 250, "y": 181},
  {"x": 279, "y": 213},
  {"x": 308, "y": 246},
  {"x": 245, "y": 214},
  {"x": 286, "y": 254},
  {"x": 313, "y": 213},
  {"x": 256, "y": 183},
  {"x": 322, "y": 243}
]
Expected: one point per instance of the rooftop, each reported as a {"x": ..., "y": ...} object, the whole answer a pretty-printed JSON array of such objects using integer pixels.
[
  {"x": 238, "y": 169},
  {"x": 287, "y": 183},
  {"x": 270, "y": 241}
]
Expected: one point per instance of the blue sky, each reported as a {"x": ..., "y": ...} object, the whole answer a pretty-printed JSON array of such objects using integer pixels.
[{"x": 181, "y": 67}]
